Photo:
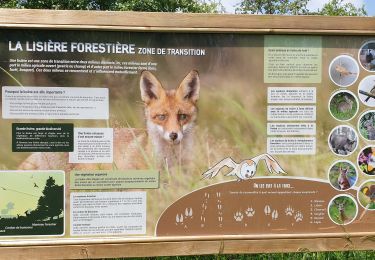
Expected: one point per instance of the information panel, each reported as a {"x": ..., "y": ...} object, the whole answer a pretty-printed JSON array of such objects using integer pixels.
[{"x": 160, "y": 134}]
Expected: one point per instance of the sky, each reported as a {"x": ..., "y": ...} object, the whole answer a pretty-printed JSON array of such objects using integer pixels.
[
  {"x": 312, "y": 6},
  {"x": 22, "y": 189}
]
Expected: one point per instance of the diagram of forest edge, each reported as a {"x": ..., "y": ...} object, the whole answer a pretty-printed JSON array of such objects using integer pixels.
[{"x": 34, "y": 203}]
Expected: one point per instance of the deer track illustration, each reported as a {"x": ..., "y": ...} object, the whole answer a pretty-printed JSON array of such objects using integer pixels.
[
  {"x": 188, "y": 213},
  {"x": 250, "y": 212},
  {"x": 218, "y": 194},
  {"x": 298, "y": 217},
  {"x": 238, "y": 216},
  {"x": 179, "y": 219},
  {"x": 275, "y": 214},
  {"x": 267, "y": 210},
  {"x": 289, "y": 211}
]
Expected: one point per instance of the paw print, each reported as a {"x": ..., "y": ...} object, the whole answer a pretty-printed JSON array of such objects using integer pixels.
[
  {"x": 275, "y": 214},
  {"x": 289, "y": 211},
  {"x": 250, "y": 212},
  {"x": 298, "y": 217},
  {"x": 267, "y": 210},
  {"x": 238, "y": 216}
]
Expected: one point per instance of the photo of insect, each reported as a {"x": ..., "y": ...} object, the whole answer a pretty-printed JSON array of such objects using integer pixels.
[{"x": 343, "y": 70}]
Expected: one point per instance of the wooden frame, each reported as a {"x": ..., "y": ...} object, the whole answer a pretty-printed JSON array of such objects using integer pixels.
[{"x": 157, "y": 246}]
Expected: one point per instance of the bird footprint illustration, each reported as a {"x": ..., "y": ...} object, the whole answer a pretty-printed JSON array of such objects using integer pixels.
[{"x": 238, "y": 216}]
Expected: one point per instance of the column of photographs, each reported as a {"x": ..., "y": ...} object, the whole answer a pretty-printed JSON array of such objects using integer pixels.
[{"x": 343, "y": 140}]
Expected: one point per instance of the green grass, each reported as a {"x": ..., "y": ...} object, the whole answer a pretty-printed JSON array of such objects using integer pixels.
[{"x": 362, "y": 255}]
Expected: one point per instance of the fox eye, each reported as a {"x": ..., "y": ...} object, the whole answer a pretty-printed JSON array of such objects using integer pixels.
[
  {"x": 161, "y": 117},
  {"x": 182, "y": 117}
]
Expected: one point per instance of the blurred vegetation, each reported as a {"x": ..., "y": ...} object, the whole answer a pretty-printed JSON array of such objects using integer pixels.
[
  {"x": 339, "y": 8},
  {"x": 363, "y": 255},
  {"x": 186, "y": 6},
  {"x": 291, "y": 7}
]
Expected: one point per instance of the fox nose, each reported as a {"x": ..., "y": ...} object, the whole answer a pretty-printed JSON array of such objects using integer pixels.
[{"x": 173, "y": 136}]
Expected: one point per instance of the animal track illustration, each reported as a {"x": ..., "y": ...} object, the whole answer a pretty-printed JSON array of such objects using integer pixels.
[
  {"x": 203, "y": 211},
  {"x": 250, "y": 212},
  {"x": 275, "y": 214},
  {"x": 267, "y": 210},
  {"x": 289, "y": 211},
  {"x": 298, "y": 217},
  {"x": 203, "y": 220},
  {"x": 238, "y": 216},
  {"x": 179, "y": 219},
  {"x": 188, "y": 213},
  {"x": 219, "y": 209}
]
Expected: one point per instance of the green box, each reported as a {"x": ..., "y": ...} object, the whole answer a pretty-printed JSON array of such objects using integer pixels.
[
  {"x": 292, "y": 59},
  {"x": 103, "y": 179}
]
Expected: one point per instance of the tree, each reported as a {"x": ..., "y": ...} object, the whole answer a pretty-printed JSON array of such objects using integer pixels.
[
  {"x": 51, "y": 203},
  {"x": 191, "y": 6},
  {"x": 339, "y": 8},
  {"x": 185, "y": 6},
  {"x": 292, "y": 7}
]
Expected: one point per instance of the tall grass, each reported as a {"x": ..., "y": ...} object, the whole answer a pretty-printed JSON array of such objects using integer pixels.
[{"x": 347, "y": 255}]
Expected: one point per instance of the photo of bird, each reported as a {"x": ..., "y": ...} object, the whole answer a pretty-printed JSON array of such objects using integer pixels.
[
  {"x": 245, "y": 169},
  {"x": 369, "y": 192},
  {"x": 372, "y": 92}
]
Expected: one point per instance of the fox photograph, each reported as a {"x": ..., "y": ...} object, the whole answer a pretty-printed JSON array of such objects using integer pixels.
[{"x": 195, "y": 112}]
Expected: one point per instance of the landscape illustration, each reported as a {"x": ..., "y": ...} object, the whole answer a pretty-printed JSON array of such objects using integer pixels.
[{"x": 31, "y": 203}]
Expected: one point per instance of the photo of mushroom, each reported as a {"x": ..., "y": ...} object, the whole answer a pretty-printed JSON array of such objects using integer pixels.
[
  {"x": 343, "y": 70},
  {"x": 342, "y": 175},
  {"x": 366, "y": 91},
  {"x": 366, "y": 160},
  {"x": 366, "y": 195},
  {"x": 366, "y": 56},
  {"x": 366, "y": 125},
  {"x": 343, "y": 105},
  {"x": 343, "y": 140}
]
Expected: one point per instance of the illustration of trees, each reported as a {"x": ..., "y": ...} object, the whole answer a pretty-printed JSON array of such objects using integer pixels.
[
  {"x": 51, "y": 203},
  {"x": 10, "y": 207}
]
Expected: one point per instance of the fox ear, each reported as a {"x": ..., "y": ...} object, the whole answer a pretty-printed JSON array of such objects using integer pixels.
[
  {"x": 189, "y": 87},
  {"x": 151, "y": 87}
]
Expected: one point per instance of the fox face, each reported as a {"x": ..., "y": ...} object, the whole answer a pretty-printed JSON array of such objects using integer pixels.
[{"x": 170, "y": 114}]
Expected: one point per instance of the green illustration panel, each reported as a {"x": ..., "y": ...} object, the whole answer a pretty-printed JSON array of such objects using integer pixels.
[{"x": 292, "y": 59}]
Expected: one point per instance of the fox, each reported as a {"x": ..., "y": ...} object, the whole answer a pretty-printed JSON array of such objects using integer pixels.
[{"x": 168, "y": 139}]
